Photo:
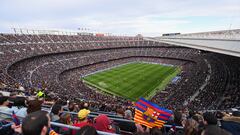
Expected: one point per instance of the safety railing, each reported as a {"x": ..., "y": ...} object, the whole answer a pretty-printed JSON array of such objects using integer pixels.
[
  {"x": 60, "y": 125},
  {"x": 119, "y": 119},
  {"x": 165, "y": 127}
]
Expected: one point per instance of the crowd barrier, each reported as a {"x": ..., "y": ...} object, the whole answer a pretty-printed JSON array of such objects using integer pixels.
[
  {"x": 58, "y": 124},
  {"x": 116, "y": 119}
]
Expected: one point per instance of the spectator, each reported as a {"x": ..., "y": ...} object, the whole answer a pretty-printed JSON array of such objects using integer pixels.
[
  {"x": 82, "y": 119},
  {"x": 70, "y": 106},
  {"x": 64, "y": 119},
  {"x": 214, "y": 131},
  {"x": 128, "y": 115},
  {"x": 6, "y": 128},
  {"x": 33, "y": 106},
  {"x": 85, "y": 106},
  {"x": 20, "y": 103},
  {"x": 126, "y": 126},
  {"x": 4, "y": 103},
  {"x": 190, "y": 127},
  {"x": 177, "y": 118},
  {"x": 155, "y": 131},
  {"x": 102, "y": 123},
  {"x": 36, "y": 123},
  {"x": 142, "y": 129},
  {"x": 211, "y": 127},
  {"x": 55, "y": 115},
  {"x": 55, "y": 112},
  {"x": 209, "y": 118},
  {"x": 232, "y": 123},
  {"x": 120, "y": 112},
  {"x": 87, "y": 130}
]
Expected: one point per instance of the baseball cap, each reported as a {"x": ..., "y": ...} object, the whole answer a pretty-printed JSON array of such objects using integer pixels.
[{"x": 83, "y": 113}]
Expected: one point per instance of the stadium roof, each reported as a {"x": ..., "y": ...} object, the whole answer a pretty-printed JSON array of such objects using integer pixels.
[{"x": 226, "y": 41}]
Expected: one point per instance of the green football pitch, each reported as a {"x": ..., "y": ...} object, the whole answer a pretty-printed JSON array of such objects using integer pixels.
[{"x": 133, "y": 80}]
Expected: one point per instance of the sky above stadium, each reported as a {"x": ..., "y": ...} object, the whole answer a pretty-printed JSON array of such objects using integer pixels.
[{"x": 122, "y": 17}]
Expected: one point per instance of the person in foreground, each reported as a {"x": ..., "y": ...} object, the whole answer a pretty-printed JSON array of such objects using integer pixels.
[
  {"x": 103, "y": 123},
  {"x": 37, "y": 123},
  {"x": 82, "y": 119}
]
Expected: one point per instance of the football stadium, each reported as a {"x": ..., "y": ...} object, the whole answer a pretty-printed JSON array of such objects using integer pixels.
[
  {"x": 134, "y": 80},
  {"x": 111, "y": 68}
]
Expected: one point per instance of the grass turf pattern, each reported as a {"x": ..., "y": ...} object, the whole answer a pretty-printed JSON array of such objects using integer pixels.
[{"x": 133, "y": 80}]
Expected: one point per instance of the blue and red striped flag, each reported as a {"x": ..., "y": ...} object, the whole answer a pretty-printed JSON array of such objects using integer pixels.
[
  {"x": 150, "y": 114},
  {"x": 15, "y": 118}
]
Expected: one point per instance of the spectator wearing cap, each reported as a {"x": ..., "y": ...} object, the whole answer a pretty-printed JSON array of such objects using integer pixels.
[
  {"x": 103, "y": 123},
  {"x": 40, "y": 94},
  {"x": 82, "y": 119},
  {"x": 232, "y": 123}
]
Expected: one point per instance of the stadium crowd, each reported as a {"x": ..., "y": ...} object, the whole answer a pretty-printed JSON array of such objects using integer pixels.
[
  {"x": 55, "y": 64},
  {"x": 36, "y": 119}
]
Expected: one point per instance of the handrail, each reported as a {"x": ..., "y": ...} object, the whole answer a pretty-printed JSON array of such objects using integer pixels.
[
  {"x": 123, "y": 120},
  {"x": 62, "y": 125},
  {"x": 92, "y": 113},
  {"x": 93, "y": 116},
  {"x": 118, "y": 119}
]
